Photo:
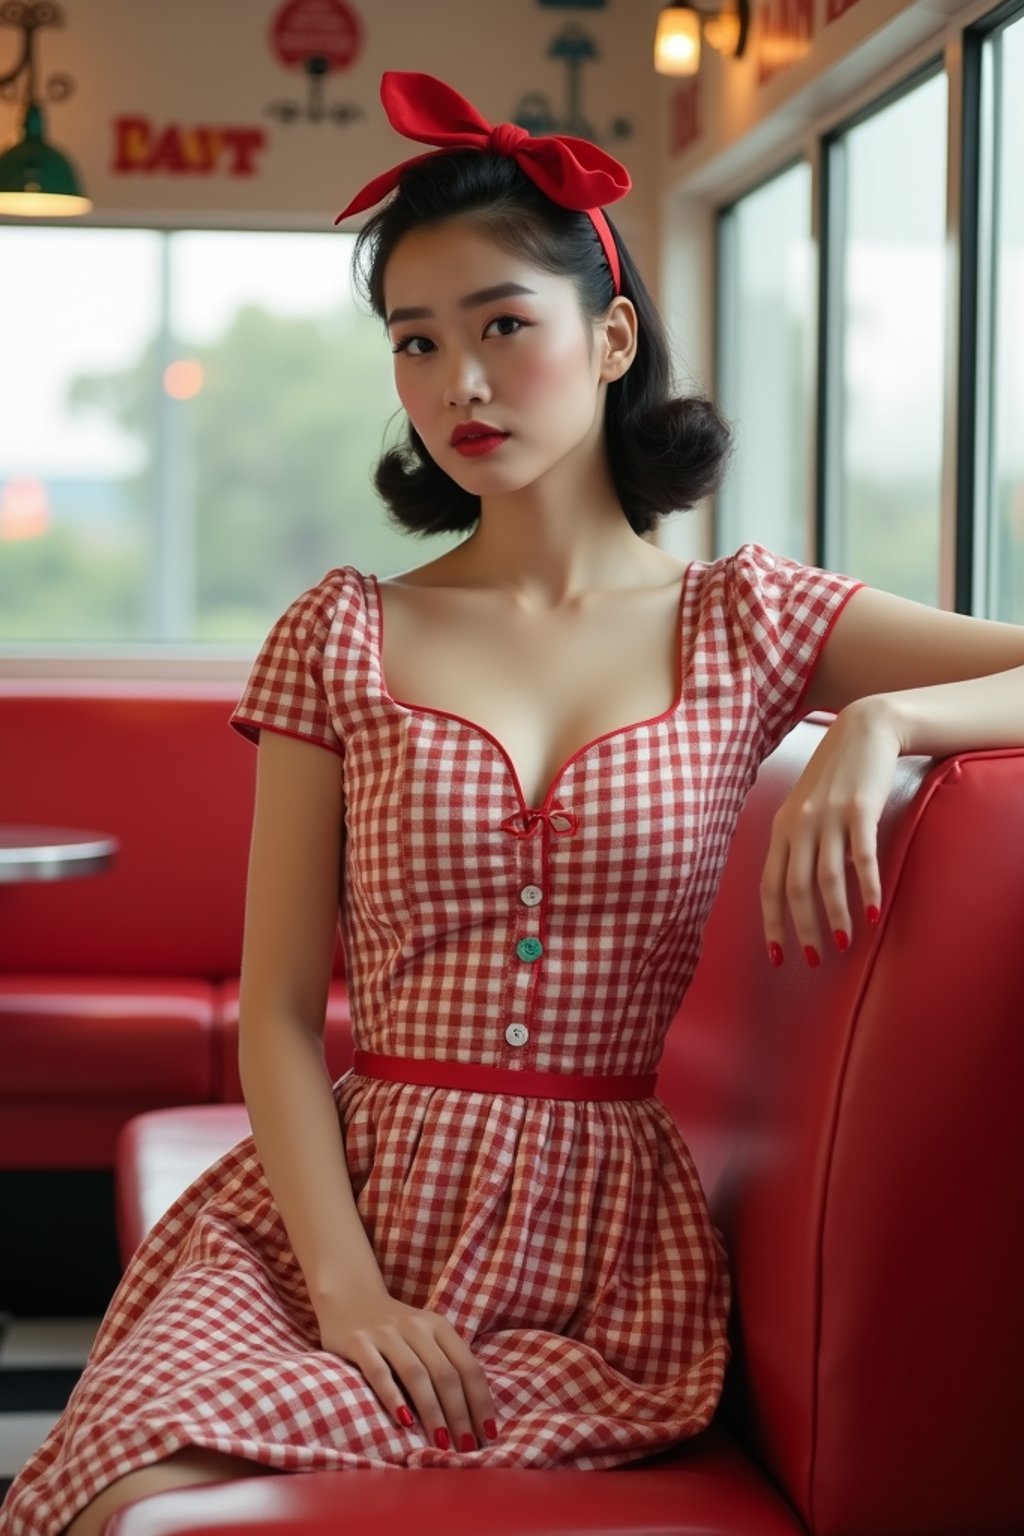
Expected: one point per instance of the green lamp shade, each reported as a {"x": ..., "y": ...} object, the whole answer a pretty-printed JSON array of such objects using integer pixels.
[{"x": 36, "y": 180}]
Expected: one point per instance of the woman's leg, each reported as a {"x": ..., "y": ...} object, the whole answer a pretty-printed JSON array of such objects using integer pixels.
[{"x": 183, "y": 1469}]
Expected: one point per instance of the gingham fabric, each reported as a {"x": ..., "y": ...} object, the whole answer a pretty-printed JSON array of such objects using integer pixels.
[{"x": 568, "y": 1242}]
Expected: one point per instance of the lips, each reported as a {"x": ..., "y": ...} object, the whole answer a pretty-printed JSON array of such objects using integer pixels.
[
  {"x": 474, "y": 429},
  {"x": 484, "y": 443}
]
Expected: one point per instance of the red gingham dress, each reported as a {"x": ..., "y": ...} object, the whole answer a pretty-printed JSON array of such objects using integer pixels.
[{"x": 567, "y": 1239}]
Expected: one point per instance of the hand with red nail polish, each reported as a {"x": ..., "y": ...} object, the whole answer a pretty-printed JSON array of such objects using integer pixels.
[
  {"x": 828, "y": 821},
  {"x": 395, "y": 1345}
]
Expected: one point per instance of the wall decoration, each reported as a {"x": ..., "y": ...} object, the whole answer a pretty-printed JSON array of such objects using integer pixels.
[
  {"x": 575, "y": 48},
  {"x": 316, "y": 37},
  {"x": 785, "y": 32},
  {"x": 176, "y": 149},
  {"x": 33, "y": 16},
  {"x": 37, "y": 180},
  {"x": 683, "y": 116},
  {"x": 225, "y": 111}
]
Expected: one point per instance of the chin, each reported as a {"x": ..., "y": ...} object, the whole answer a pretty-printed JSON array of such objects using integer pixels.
[{"x": 470, "y": 474}]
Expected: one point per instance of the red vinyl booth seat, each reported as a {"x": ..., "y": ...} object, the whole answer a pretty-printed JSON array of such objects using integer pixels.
[
  {"x": 857, "y": 1130},
  {"x": 119, "y": 991}
]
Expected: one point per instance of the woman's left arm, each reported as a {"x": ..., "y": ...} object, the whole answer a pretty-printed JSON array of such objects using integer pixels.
[{"x": 902, "y": 678}]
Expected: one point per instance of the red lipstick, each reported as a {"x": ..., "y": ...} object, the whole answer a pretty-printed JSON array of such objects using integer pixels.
[
  {"x": 472, "y": 447},
  {"x": 475, "y": 437}
]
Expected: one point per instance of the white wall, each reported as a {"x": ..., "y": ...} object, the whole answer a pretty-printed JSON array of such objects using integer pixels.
[{"x": 196, "y": 70}]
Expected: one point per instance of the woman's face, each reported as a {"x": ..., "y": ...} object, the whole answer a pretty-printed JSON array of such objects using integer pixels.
[{"x": 523, "y": 360}]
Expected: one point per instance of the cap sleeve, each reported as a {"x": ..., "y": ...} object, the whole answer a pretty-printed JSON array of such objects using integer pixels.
[
  {"x": 786, "y": 612},
  {"x": 286, "y": 691}
]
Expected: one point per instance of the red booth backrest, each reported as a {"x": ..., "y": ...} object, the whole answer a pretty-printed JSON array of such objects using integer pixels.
[
  {"x": 157, "y": 765},
  {"x": 857, "y": 1129}
]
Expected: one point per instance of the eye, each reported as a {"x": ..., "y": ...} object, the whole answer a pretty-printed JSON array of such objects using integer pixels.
[
  {"x": 500, "y": 319},
  {"x": 405, "y": 343}
]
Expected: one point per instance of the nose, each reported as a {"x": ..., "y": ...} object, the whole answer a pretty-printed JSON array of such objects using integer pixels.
[{"x": 466, "y": 381}]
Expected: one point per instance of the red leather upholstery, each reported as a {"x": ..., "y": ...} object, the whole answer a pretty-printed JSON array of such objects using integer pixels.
[
  {"x": 118, "y": 992},
  {"x": 82, "y": 1053},
  {"x": 157, "y": 765},
  {"x": 708, "y": 1488},
  {"x": 160, "y": 1153},
  {"x": 856, "y": 1128}
]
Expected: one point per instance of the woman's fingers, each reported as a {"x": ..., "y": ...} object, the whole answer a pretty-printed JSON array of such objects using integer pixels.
[
  {"x": 800, "y": 872},
  {"x": 474, "y": 1387},
  {"x": 773, "y": 892},
  {"x": 398, "y": 1346},
  {"x": 806, "y": 865},
  {"x": 446, "y": 1382},
  {"x": 830, "y": 817},
  {"x": 864, "y": 855}
]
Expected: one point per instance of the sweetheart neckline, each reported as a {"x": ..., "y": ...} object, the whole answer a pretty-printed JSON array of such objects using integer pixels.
[{"x": 482, "y": 730}]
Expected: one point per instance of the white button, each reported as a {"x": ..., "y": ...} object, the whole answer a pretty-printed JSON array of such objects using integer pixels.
[
  {"x": 517, "y": 1034},
  {"x": 530, "y": 895}
]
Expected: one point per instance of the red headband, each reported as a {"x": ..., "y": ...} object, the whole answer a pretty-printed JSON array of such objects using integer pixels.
[{"x": 573, "y": 172}]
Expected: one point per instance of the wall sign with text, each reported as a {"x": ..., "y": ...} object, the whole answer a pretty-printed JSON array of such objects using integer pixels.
[{"x": 142, "y": 147}]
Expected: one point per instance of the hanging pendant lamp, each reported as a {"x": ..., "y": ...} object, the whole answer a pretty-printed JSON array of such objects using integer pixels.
[{"x": 37, "y": 180}]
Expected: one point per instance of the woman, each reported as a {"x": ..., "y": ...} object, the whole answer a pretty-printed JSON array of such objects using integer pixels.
[{"x": 521, "y": 765}]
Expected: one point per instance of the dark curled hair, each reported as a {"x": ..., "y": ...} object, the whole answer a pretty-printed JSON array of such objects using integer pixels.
[{"x": 665, "y": 452}]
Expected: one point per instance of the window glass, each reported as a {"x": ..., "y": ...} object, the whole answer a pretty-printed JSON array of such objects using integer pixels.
[
  {"x": 190, "y": 434},
  {"x": 999, "y": 507},
  {"x": 765, "y": 336},
  {"x": 885, "y": 346},
  {"x": 75, "y": 305}
]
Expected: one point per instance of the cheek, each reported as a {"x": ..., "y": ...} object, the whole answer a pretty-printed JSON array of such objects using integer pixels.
[
  {"x": 410, "y": 397},
  {"x": 554, "y": 369}
]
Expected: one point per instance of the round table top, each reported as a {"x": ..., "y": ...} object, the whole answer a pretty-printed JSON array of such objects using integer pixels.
[{"x": 52, "y": 853}]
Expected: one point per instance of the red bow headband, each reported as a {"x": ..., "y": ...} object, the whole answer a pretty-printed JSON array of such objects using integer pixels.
[{"x": 572, "y": 172}]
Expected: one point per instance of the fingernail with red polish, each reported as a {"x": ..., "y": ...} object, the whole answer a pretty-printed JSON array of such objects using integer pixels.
[
  {"x": 405, "y": 1417},
  {"x": 441, "y": 1438},
  {"x": 813, "y": 958},
  {"x": 468, "y": 1442},
  {"x": 872, "y": 914},
  {"x": 842, "y": 942},
  {"x": 775, "y": 954},
  {"x": 490, "y": 1429}
]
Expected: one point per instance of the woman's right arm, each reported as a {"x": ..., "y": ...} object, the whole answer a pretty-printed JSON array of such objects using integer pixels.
[{"x": 291, "y": 914}]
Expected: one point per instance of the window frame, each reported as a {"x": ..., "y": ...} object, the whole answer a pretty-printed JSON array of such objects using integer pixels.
[
  {"x": 172, "y": 660},
  {"x": 893, "y": 62}
]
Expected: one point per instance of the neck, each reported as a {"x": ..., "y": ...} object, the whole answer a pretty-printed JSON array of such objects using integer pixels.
[{"x": 556, "y": 540}]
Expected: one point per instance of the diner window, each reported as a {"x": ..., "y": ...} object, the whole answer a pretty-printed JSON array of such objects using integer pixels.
[
  {"x": 883, "y": 345},
  {"x": 999, "y": 392},
  {"x": 764, "y": 340},
  {"x": 189, "y": 434}
]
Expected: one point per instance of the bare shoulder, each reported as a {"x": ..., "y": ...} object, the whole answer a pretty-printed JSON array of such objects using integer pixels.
[{"x": 442, "y": 572}]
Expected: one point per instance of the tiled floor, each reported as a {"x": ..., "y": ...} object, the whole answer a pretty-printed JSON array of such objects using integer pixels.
[{"x": 40, "y": 1361}]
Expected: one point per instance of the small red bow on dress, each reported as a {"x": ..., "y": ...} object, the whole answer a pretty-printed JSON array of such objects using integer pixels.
[{"x": 572, "y": 172}]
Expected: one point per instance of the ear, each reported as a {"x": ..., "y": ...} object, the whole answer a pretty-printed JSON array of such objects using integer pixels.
[{"x": 619, "y": 339}]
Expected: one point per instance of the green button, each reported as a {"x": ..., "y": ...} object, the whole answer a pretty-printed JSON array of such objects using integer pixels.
[{"x": 529, "y": 949}]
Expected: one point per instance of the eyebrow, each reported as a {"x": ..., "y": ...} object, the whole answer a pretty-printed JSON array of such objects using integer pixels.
[{"x": 471, "y": 300}]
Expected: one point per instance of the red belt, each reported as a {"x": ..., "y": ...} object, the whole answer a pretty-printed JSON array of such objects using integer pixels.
[{"x": 482, "y": 1079}]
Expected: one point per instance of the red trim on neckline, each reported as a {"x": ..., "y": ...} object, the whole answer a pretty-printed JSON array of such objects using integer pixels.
[{"x": 473, "y": 725}]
